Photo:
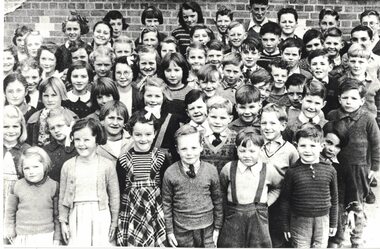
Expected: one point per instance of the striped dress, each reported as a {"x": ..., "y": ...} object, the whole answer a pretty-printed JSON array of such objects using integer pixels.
[{"x": 141, "y": 219}]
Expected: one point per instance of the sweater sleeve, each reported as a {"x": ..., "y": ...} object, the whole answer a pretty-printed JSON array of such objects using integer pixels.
[
  {"x": 57, "y": 225},
  {"x": 285, "y": 201},
  {"x": 334, "y": 200},
  {"x": 167, "y": 202},
  {"x": 113, "y": 194},
  {"x": 217, "y": 200},
  {"x": 63, "y": 210},
  {"x": 224, "y": 182},
  {"x": 275, "y": 180},
  {"x": 10, "y": 215},
  {"x": 374, "y": 144}
]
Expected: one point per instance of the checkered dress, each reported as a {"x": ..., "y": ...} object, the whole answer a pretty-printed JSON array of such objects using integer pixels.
[{"x": 141, "y": 219}]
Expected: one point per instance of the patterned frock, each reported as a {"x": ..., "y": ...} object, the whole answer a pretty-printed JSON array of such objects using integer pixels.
[{"x": 141, "y": 218}]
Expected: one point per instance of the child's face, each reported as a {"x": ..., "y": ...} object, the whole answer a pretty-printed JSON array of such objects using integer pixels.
[
  {"x": 79, "y": 79},
  {"x": 259, "y": 12},
  {"x": 214, "y": 57},
  {"x": 270, "y": 42},
  {"x": 237, "y": 35},
  {"x": 197, "y": 111},
  {"x": 33, "y": 169},
  {"x": 373, "y": 22},
  {"x": 333, "y": 45},
  {"x": 79, "y": 55},
  {"x": 331, "y": 145},
  {"x": 51, "y": 99},
  {"x": 72, "y": 30},
  {"x": 117, "y": 27},
  {"x": 308, "y": 149},
  {"x": 15, "y": 93},
  {"x": 265, "y": 89},
  {"x": 123, "y": 75},
  {"x": 150, "y": 39},
  {"x": 351, "y": 101},
  {"x": 196, "y": 59},
  {"x": 201, "y": 36},
  {"x": 279, "y": 77},
  {"x": 248, "y": 154},
  {"x": 122, "y": 49},
  {"x": 190, "y": 17},
  {"x": 222, "y": 22},
  {"x": 250, "y": 57},
  {"x": 167, "y": 48},
  {"x": 292, "y": 56},
  {"x": 328, "y": 21},
  {"x": 151, "y": 23},
  {"x": 153, "y": 96},
  {"x": 58, "y": 127},
  {"x": 313, "y": 44},
  {"x": 248, "y": 112},
  {"x": 85, "y": 142},
  {"x": 32, "y": 77},
  {"x": 209, "y": 87},
  {"x": 113, "y": 123},
  {"x": 102, "y": 66},
  {"x": 11, "y": 130},
  {"x": 47, "y": 61},
  {"x": 357, "y": 65},
  {"x": 231, "y": 74},
  {"x": 271, "y": 126},
  {"x": 102, "y": 99},
  {"x": 288, "y": 23},
  {"x": 173, "y": 74},
  {"x": 33, "y": 43},
  {"x": 20, "y": 43},
  {"x": 102, "y": 34},
  {"x": 320, "y": 67},
  {"x": 361, "y": 37},
  {"x": 218, "y": 119},
  {"x": 311, "y": 105},
  {"x": 189, "y": 148},
  {"x": 295, "y": 95},
  {"x": 143, "y": 136},
  {"x": 147, "y": 64},
  {"x": 8, "y": 62}
]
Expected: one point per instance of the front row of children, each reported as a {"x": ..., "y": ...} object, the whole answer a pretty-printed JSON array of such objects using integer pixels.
[{"x": 195, "y": 203}]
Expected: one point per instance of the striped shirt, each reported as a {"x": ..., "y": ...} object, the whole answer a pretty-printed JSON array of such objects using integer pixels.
[{"x": 183, "y": 37}]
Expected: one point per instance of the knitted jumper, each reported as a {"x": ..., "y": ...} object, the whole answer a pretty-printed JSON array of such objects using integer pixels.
[{"x": 183, "y": 37}]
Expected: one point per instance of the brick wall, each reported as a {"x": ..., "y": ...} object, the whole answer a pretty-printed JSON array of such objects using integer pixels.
[{"x": 47, "y": 15}]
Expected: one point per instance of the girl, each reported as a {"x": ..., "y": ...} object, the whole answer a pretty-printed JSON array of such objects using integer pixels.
[
  {"x": 209, "y": 80},
  {"x": 16, "y": 94},
  {"x": 102, "y": 59},
  {"x": 53, "y": 95},
  {"x": 48, "y": 61},
  {"x": 312, "y": 40},
  {"x": 168, "y": 45},
  {"x": 124, "y": 46},
  {"x": 150, "y": 37},
  {"x": 80, "y": 53},
  {"x": 9, "y": 61},
  {"x": 117, "y": 22},
  {"x": 19, "y": 42},
  {"x": 33, "y": 42},
  {"x": 202, "y": 34},
  {"x": 190, "y": 13},
  {"x": 32, "y": 208},
  {"x": 140, "y": 172},
  {"x": 89, "y": 197},
  {"x": 102, "y": 34},
  {"x": 31, "y": 71},
  {"x": 196, "y": 57},
  {"x": 104, "y": 90},
  {"x": 79, "y": 76},
  {"x": 73, "y": 27}
]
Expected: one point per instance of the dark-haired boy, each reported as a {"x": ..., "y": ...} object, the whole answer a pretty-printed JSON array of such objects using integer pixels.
[
  {"x": 270, "y": 38},
  {"x": 280, "y": 72},
  {"x": 333, "y": 43},
  {"x": 371, "y": 19},
  {"x": 259, "y": 12},
  {"x": 250, "y": 53},
  {"x": 224, "y": 17},
  {"x": 232, "y": 76}
]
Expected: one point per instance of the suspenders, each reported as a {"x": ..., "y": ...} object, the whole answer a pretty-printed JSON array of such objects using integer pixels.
[
  {"x": 162, "y": 131},
  {"x": 260, "y": 187}
]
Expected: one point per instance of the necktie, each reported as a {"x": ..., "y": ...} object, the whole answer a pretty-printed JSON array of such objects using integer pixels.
[
  {"x": 191, "y": 172},
  {"x": 311, "y": 120},
  {"x": 217, "y": 139}
]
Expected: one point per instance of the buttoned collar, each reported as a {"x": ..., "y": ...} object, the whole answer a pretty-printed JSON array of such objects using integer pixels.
[
  {"x": 235, "y": 86},
  {"x": 256, "y": 26},
  {"x": 279, "y": 140},
  {"x": 255, "y": 169},
  {"x": 353, "y": 115},
  {"x": 305, "y": 119},
  {"x": 74, "y": 98},
  {"x": 186, "y": 167}
]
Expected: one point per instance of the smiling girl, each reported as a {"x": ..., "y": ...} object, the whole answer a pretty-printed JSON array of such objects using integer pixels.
[
  {"x": 47, "y": 60},
  {"x": 102, "y": 34}
]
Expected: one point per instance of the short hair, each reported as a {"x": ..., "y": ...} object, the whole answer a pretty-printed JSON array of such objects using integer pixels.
[
  {"x": 235, "y": 24},
  {"x": 103, "y": 86},
  {"x": 102, "y": 51},
  {"x": 94, "y": 125},
  {"x": 251, "y": 44},
  {"x": 115, "y": 14},
  {"x": 79, "y": 65},
  {"x": 190, "y": 5},
  {"x": 232, "y": 59},
  {"x": 278, "y": 110},
  {"x": 28, "y": 64},
  {"x": 215, "y": 45},
  {"x": 218, "y": 102},
  {"x": 41, "y": 154},
  {"x": 178, "y": 59},
  {"x": 295, "y": 79},
  {"x": 196, "y": 27},
  {"x": 271, "y": 27},
  {"x": 139, "y": 117},
  {"x": 150, "y": 30},
  {"x": 247, "y": 94},
  {"x": 311, "y": 34},
  {"x": 224, "y": 11},
  {"x": 57, "y": 112},
  {"x": 352, "y": 84},
  {"x": 33, "y": 33},
  {"x": 196, "y": 46},
  {"x": 319, "y": 52},
  {"x": 56, "y": 84},
  {"x": 193, "y": 96},
  {"x": 171, "y": 39},
  {"x": 363, "y": 28},
  {"x": 311, "y": 131},
  {"x": 11, "y": 111},
  {"x": 333, "y": 32},
  {"x": 144, "y": 49},
  {"x": 50, "y": 47},
  {"x": 13, "y": 77},
  {"x": 369, "y": 13},
  {"x": 315, "y": 88},
  {"x": 105, "y": 23},
  {"x": 339, "y": 130},
  {"x": 358, "y": 50},
  {"x": 260, "y": 76},
  {"x": 20, "y": 31},
  {"x": 156, "y": 82},
  {"x": 249, "y": 134},
  {"x": 152, "y": 12},
  {"x": 291, "y": 43},
  {"x": 187, "y": 130},
  {"x": 284, "y": 11},
  {"x": 279, "y": 63},
  {"x": 80, "y": 45},
  {"x": 123, "y": 60},
  {"x": 207, "y": 71},
  {"x": 114, "y": 105},
  {"x": 262, "y": 2},
  {"x": 330, "y": 12},
  {"x": 124, "y": 40},
  {"x": 81, "y": 20}
]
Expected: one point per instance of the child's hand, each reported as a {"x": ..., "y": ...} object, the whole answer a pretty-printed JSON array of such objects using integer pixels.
[
  {"x": 351, "y": 220},
  {"x": 65, "y": 232},
  {"x": 332, "y": 231},
  {"x": 56, "y": 242},
  {"x": 172, "y": 240},
  {"x": 371, "y": 175},
  {"x": 67, "y": 132},
  {"x": 111, "y": 233},
  {"x": 287, "y": 236},
  {"x": 215, "y": 236}
]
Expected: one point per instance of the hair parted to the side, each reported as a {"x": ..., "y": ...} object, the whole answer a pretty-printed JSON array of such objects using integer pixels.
[
  {"x": 56, "y": 84},
  {"x": 352, "y": 84},
  {"x": 247, "y": 135},
  {"x": 339, "y": 130},
  {"x": 139, "y": 117},
  {"x": 218, "y": 102},
  {"x": 187, "y": 130},
  {"x": 278, "y": 110},
  {"x": 311, "y": 131},
  {"x": 114, "y": 105},
  {"x": 94, "y": 125},
  {"x": 247, "y": 94},
  {"x": 37, "y": 153},
  {"x": 14, "y": 112}
]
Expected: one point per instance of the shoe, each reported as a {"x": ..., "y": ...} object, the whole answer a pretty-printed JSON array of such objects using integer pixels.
[
  {"x": 371, "y": 198},
  {"x": 373, "y": 183},
  {"x": 356, "y": 246}
]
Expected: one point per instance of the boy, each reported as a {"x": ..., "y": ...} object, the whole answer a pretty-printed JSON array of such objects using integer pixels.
[
  {"x": 263, "y": 81},
  {"x": 196, "y": 109},
  {"x": 224, "y": 17},
  {"x": 209, "y": 80},
  {"x": 219, "y": 143},
  {"x": 215, "y": 53},
  {"x": 280, "y": 73},
  {"x": 248, "y": 106},
  {"x": 361, "y": 155},
  {"x": 259, "y": 12},
  {"x": 270, "y": 38},
  {"x": 320, "y": 66},
  {"x": 246, "y": 224},
  {"x": 309, "y": 194},
  {"x": 236, "y": 35},
  {"x": 279, "y": 153},
  {"x": 31, "y": 71},
  {"x": 232, "y": 76},
  {"x": 191, "y": 196},
  {"x": 333, "y": 43},
  {"x": 328, "y": 18},
  {"x": 250, "y": 53},
  {"x": 371, "y": 19},
  {"x": 294, "y": 92},
  {"x": 291, "y": 50},
  {"x": 288, "y": 18}
]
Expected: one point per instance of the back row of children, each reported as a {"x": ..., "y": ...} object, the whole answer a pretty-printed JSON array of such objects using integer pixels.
[{"x": 254, "y": 104}]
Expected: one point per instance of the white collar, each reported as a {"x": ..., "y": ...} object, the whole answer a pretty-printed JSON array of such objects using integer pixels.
[
  {"x": 74, "y": 98},
  {"x": 197, "y": 165},
  {"x": 316, "y": 161},
  {"x": 253, "y": 24},
  {"x": 305, "y": 119},
  {"x": 255, "y": 169}
]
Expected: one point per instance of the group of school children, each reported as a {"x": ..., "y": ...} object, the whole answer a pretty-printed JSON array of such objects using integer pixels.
[{"x": 246, "y": 137}]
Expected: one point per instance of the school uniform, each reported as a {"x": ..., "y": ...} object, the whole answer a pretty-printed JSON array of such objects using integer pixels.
[
  {"x": 80, "y": 105},
  {"x": 266, "y": 58},
  {"x": 182, "y": 35},
  {"x": 238, "y": 125},
  {"x": 228, "y": 91},
  {"x": 253, "y": 28}
]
